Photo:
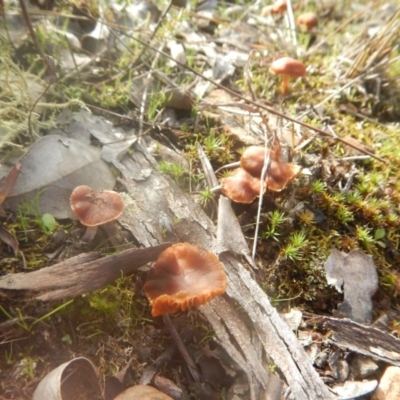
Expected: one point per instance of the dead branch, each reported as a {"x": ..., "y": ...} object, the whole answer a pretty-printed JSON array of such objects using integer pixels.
[
  {"x": 81, "y": 274},
  {"x": 363, "y": 339}
]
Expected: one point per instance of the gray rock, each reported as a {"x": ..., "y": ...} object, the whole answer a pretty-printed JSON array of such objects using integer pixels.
[{"x": 362, "y": 367}]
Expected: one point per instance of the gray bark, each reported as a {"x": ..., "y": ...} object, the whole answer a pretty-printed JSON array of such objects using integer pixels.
[{"x": 244, "y": 320}]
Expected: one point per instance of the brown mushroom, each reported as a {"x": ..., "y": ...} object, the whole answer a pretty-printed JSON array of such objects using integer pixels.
[
  {"x": 94, "y": 209},
  {"x": 279, "y": 7},
  {"x": 287, "y": 67},
  {"x": 252, "y": 160},
  {"x": 241, "y": 186},
  {"x": 279, "y": 174},
  {"x": 184, "y": 276},
  {"x": 308, "y": 21}
]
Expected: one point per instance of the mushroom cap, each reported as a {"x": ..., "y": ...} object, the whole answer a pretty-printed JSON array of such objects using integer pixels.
[
  {"x": 280, "y": 174},
  {"x": 93, "y": 209},
  {"x": 279, "y": 7},
  {"x": 184, "y": 276},
  {"x": 308, "y": 19},
  {"x": 241, "y": 186},
  {"x": 252, "y": 160},
  {"x": 288, "y": 66}
]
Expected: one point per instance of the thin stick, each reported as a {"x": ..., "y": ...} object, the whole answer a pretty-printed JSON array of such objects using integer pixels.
[
  {"x": 181, "y": 347},
  {"x": 49, "y": 65},
  {"x": 260, "y": 199},
  {"x": 159, "y": 22}
]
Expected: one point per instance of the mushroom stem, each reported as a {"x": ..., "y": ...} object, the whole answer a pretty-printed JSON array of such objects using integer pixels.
[
  {"x": 285, "y": 84},
  {"x": 89, "y": 234},
  {"x": 181, "y": 347}
]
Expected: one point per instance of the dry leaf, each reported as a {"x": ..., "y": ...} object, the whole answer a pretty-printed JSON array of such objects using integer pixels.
[
  {"x": 357, "y": 274},
  {"x": 75, "y": 379}
]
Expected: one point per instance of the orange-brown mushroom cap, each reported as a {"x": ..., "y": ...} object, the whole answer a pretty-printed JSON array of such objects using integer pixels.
[
  {"x": 184, "y": 276},
  {"x": 309, "y": 20},
  {"x": 95, "y": 209},
  {"x": 288, "y": 66},
  {"x": 252, "y": 160},
  {"x": 279, "y": 174},
  {"x": 279, "y": 7},
  {"x": 241, "y": 186}
]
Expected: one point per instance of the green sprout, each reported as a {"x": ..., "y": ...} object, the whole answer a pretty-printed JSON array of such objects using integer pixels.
[
  {"x": 276, "y": 219},
  {"x": 318, "y": 187},
  {"x": 364, "y": 236},
  {"x": 175, "y": 171},
  {"x": 206, "y": 196},
  {"x": 294, "y": 249},
  {"x": 307, "y": 217},
  {"x": 212, "y": 144},
  {"x": 353, "y": 197}
]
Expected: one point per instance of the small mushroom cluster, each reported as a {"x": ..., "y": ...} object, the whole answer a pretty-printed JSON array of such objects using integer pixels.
[
  {"x": 244, "y": 184},
  {"x": 287, "y": 66}
]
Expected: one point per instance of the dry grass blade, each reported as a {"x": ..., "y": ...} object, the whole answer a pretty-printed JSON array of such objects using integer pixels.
[{"x": 375, "y": 52}]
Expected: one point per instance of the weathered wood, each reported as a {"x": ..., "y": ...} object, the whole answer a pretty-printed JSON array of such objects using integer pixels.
[
  {"x": 80, "y": 274},
  {"x": 363, "y": 339},
  {"x": 244, "y": 319}
]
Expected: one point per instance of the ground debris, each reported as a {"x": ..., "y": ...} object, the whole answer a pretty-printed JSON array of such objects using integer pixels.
[
  {"x": 356, "y": 273},
  {"x": 363, "y": 339}
]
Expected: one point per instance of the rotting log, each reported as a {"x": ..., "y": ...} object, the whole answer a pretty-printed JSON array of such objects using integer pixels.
[{"x": 80, "y": 274}]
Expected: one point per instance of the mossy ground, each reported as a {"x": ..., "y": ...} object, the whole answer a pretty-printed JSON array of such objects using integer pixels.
[{"x": 299, "y": 226}]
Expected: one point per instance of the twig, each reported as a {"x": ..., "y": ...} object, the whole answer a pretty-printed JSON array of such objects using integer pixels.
[
  {"x": 142, "y": 108},
  {"x": 50, "y": 68},
  {"x": 159, "y": 22},
  {"x": 264, "y": 171},
  {"x": 33, "y": 107},
  {"x": 291, "y": 25},
  {"x": 181, "y": 347},
  {"x": 51, "y": 73}
]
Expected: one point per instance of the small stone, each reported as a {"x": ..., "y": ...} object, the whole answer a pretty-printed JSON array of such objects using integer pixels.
[
  {"x": 293, "y": 318},
  {"x": 339, "y": 367},
  {"x": 389, "y": 385},
  {"x": 239, "y": 390},
  {"x": 321, "y": 360},
  {"x": 362, "y": 367}
]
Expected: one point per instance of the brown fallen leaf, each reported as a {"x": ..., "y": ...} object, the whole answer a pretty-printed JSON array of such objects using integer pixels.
[
  {"x": 9, "y": 183},
  {"x": 75, "y": 379},
  {"x": 9, "y": 239}
]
